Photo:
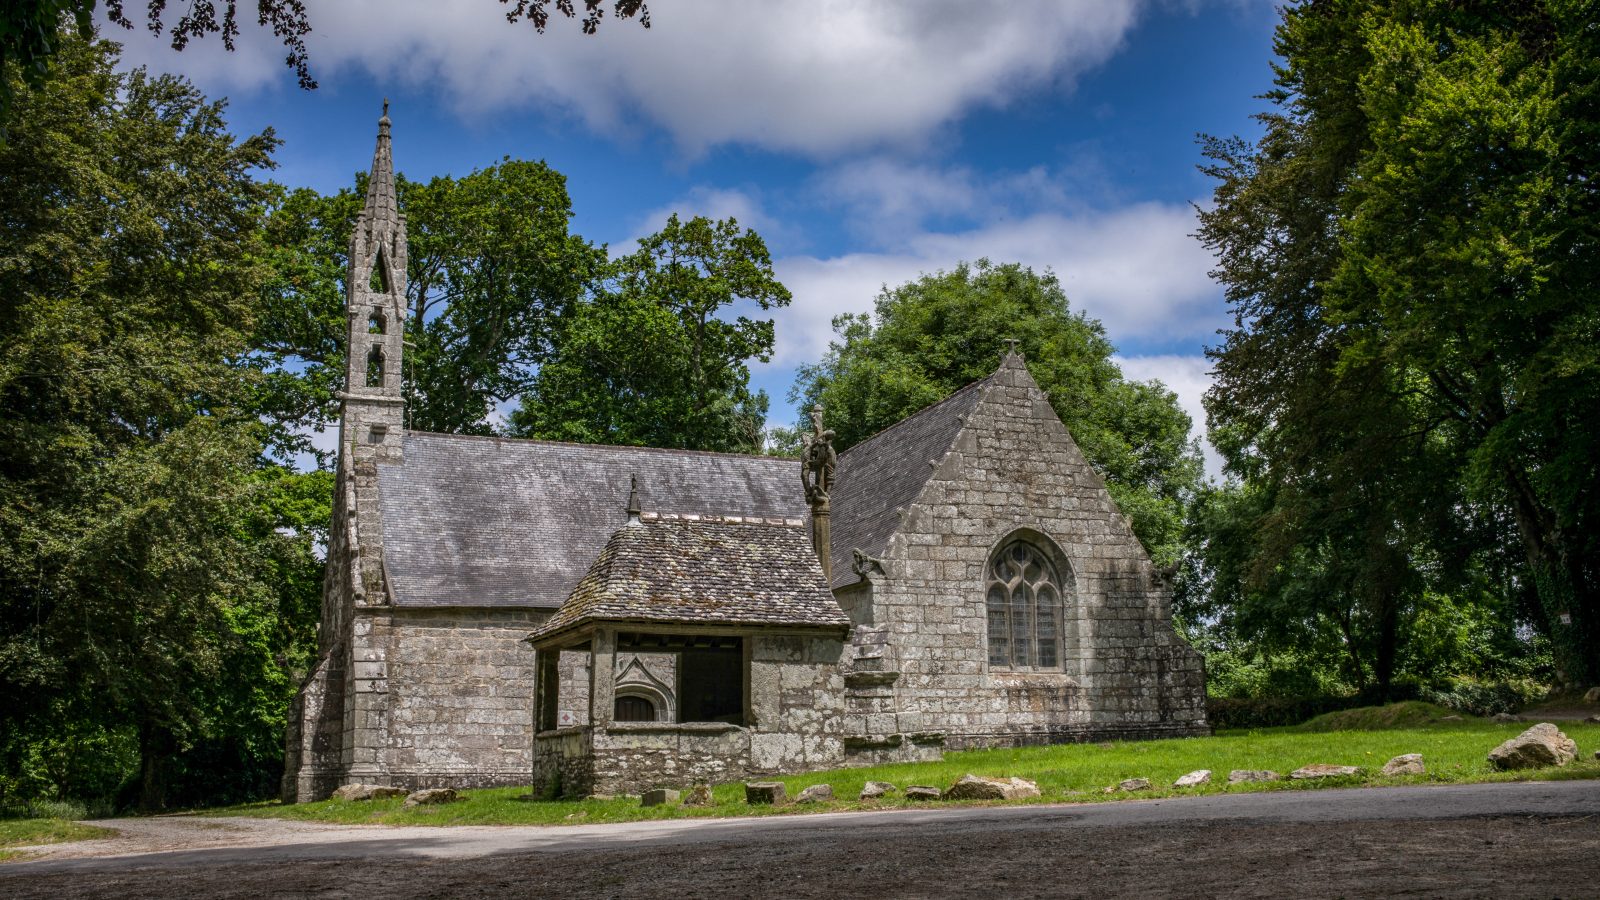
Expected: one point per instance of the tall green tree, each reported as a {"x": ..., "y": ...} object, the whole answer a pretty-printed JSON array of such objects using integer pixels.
[
  {"x": 1415, "y": 236},
  {"x": 491, "y": 270},
  {"x": 659, "y": 355},
  {"x": 134, "y": 552},
  {"x": 931, "y": 336}
]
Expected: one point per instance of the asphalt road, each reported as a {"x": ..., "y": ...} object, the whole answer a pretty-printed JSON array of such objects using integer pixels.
[{"x": 1528, "y": 839}]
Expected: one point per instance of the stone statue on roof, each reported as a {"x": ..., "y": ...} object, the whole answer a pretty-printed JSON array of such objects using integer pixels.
[{"x": 817, "y": 460}]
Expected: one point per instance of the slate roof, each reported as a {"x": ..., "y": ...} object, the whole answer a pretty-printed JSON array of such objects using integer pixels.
[
  {"x": 886, "y": 472},
  {"x": 704, "y": 570},
  {"x": 474, "y": 521}
]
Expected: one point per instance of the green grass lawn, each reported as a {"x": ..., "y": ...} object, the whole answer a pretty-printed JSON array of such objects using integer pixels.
[
  {"x": 28, "y": 832},
  {"x": 1454, "y": 752}
]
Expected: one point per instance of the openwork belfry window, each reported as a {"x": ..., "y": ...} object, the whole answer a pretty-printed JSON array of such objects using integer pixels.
[{"x": 1025, "y": 609}]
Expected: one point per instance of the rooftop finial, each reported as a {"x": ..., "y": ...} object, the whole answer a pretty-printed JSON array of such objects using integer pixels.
[
  {"x": 384, "y": 122},
  {"x": 1012, "y": 345},
  {"x": 634, "y": 510}
]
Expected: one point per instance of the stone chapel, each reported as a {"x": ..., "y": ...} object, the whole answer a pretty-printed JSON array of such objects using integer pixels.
[{"x": 603, "y": 620}]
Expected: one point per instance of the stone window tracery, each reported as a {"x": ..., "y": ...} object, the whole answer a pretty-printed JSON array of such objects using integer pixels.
[{"x": 1024, "y": 605}]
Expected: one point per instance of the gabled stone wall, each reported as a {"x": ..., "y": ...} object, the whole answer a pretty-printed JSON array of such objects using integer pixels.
[{"x": 1014, "y": 469}]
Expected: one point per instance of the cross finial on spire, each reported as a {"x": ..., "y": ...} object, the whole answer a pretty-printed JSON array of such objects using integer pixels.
[
  {"x": 1011, "y": 346},
  {"x": 634, "y": 510}
]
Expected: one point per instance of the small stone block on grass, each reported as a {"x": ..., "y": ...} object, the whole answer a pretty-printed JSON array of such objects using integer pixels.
[
  {"x": 1251, "y": 776},
  {"x": 1405, "y": 764},
  {"x": 922, "y": 792},
  {"x": 975, "y": 787},
  {"x": 874, "y": 790},
  {"x": 699, "y": 795},
  {"x": 1134, "y": 784},
  {"x": 1194, "y": 779},
  {"x": 1324, "y": 770},
  {"x": 355, "y": 792},
  {"x": 766, "y": 793},
  {"x": 431, "y": 797},
  {"x": 817, "y": 793},
  {"x": 1592, "y": 695},
  {"x": 658, "y": 796}
]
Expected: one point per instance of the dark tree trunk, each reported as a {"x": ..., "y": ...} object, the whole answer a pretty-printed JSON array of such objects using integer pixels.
[
  {"x": 1388, "y": 646},
  {"x": 155, "y": 747}
]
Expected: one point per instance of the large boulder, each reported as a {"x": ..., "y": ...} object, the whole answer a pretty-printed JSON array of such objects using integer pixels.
[
  {"x": 1249, "y": 776},
  {"x": 1194, "y": 779},
  {"x": 922, "y": 792},
  {"x": 431, "y": 797},
  {"x": 817, "y": 793},
  {"x": 355, "y": 792},
  {"x": 1539, "y": 746},
  {"x": 766, "y": 793},
  {"x": 1324, "y": 770},
  {"x": 1405, "y": 764},
  {"x": 976, "y": 787},
  {"x": 874, "y": 790},
  {"x": 1592, "y": 695}
]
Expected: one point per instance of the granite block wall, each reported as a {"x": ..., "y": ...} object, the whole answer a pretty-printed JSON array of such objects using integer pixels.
[{"x": 1014, "y": 471}]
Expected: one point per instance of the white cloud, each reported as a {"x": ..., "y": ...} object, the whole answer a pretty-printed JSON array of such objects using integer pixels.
[
  {"x": 1136, "y": 269},
  {"x": 819, "y": 77},
  {"x": 713, "y": 203},
  {"x": 1187, "y": 376}
]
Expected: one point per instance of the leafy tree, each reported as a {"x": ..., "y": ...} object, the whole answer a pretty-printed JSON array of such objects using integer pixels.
[
  {"x": 491, "y": 269},
  {"x": 655, "y": 357},
  {"x": 30, "y": 32},
  {"x": 931, "y": 336},
  {"x": 136, "y": 608},
  {"x": 1409, "y": 250}
]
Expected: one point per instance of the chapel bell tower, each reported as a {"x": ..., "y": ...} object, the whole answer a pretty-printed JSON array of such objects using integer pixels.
[{"x": 375, "y": 304}]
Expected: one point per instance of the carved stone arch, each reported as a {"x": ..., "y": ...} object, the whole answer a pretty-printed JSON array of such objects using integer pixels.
[
  {"x": 1028, "y": 592},
  {"x": 379, "y": 277},
  {"x": 635, "y": 680}
]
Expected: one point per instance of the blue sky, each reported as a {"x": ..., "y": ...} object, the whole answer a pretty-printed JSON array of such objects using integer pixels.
[{"x": 866, "y": 141}]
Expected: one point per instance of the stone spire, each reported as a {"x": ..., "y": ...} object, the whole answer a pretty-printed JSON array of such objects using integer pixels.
[{"x": 375, "y": 304}]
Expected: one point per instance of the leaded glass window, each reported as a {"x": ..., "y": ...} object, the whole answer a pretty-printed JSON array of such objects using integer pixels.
[{"x": 1024, "y": 609}]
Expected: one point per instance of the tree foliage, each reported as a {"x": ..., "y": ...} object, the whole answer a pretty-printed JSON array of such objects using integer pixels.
[
  {"x": 137, "y": 605},
  {"x": 491, "y": 270},
  {"x": 30, "y": 30},
  {"x": 658, "y": 355},
  {"x": 1410, "y": 254},
  {"x": 929, "y": 337}
]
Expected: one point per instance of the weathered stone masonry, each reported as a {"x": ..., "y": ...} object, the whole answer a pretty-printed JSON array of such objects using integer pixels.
[{"x": 981, "y": 589}]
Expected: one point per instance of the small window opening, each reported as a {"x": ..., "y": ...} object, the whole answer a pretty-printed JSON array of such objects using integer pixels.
[
  {"x": 375, "y": 367},
  {"x": 375, "y": 323},
  {"x": 377, "y": 433},
  {"x": 379, "y": 282},
  {"x": 633, "y": 708}
]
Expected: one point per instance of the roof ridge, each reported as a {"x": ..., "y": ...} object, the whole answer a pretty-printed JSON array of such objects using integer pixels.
[
  {"x": 720, "y": 519},
  {"x": 931, "y": 406},
  {"x": 542, "y": 442}
]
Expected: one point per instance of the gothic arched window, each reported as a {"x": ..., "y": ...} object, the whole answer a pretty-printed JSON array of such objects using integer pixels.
[
  {"x": 375, "y": 322},
  {"x": 634, "y": 708},
  {"x": 1024, "y": 608}
]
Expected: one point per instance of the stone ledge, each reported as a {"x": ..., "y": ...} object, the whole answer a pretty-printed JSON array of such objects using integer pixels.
[{"x": 671, "y": 728}]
